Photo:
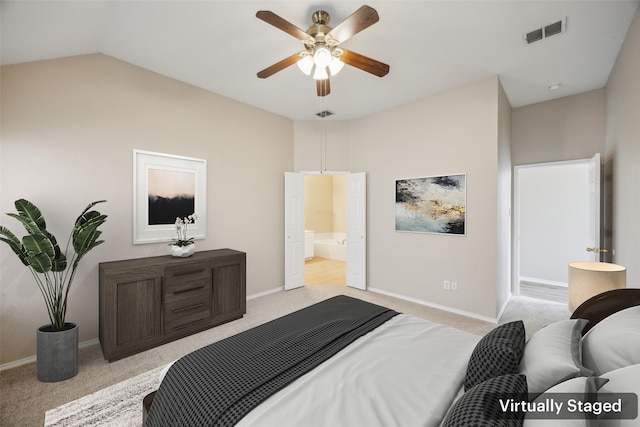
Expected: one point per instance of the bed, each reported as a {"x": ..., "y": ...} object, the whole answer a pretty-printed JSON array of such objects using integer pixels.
[{"x": 347, "y": 362}]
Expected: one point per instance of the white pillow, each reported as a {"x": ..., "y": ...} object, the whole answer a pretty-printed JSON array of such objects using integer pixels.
[
  {"x": 623, "y": 380},
  {"x": 574, "y": 387},
  {"x": 614, "y": 342},
  {"x": 553, "y": 355}
]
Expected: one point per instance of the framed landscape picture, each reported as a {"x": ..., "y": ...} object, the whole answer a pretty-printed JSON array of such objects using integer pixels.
[
  {"x": 435, "y": 204},
  {"x": 165, "y": 187}
]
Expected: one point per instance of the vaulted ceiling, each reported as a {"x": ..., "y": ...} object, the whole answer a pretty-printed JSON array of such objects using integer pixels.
[{"x": 430, "y": 46}]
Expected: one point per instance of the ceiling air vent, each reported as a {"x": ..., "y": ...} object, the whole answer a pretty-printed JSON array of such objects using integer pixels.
[
  {"x": 546, "y": 31},
  {"x": 323, "y": 114}
]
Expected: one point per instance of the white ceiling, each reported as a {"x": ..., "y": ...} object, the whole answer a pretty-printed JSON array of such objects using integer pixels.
[{"x": 430, "y": 46}]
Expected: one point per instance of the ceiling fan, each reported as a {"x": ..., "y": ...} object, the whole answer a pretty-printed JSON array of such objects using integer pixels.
[{"x": 322, "y": 56}]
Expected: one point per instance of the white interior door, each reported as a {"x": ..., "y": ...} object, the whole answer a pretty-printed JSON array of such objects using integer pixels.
[
  {"x": 357, "y": 230},
  {"x": 594, "y": 209},
  {"x": 293, "y": 230}
]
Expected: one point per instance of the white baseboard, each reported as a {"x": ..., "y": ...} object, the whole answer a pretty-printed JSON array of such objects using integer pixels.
[
  {"x": 545, "y": 282},
  {"x": 32, "y": 359},
  {"x": 265, "y": 293},
  {"x": 438, "y": 306}
]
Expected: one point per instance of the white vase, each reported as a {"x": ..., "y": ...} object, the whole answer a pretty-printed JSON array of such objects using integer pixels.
[{"x": 182, "y": 251}]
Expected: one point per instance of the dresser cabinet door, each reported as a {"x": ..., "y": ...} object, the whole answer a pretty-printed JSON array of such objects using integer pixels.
[
  {"x": 229, "y": 290},
  {"x": 134, "y": 306}
]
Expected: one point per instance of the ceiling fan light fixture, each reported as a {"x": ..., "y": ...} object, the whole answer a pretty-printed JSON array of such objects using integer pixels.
[
  {"x": 335, "y": 66},
  {"x": 320, "y": 73},
  {"x": 322, "y": 56},
  {"x": 306, "y": 64}
]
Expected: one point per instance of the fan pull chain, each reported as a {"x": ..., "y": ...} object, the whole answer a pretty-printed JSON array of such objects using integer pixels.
[{"x": 323, "y": 161}]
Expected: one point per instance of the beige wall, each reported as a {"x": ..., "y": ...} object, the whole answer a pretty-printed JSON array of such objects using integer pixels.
[
  {"x": 325, "y": 203},
  {"x": 567, "y": 128},
  {"x": 69, "y": 127},
  {"x": 321, "y": 145},
  {"x": 622, "y": 158},
  {"x": 318, "y": 203},
  {"x": 452, "y": 132}
]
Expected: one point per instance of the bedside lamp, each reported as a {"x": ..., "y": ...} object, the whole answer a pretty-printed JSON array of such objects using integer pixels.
[{"x": 587, "y": 279}]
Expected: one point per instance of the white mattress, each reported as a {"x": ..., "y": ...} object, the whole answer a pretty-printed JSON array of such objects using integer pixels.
[{"x": 405, "y": 373}]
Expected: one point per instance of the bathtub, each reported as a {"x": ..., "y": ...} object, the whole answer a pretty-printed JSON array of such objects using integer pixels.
[{"x": 330, "y": 245}]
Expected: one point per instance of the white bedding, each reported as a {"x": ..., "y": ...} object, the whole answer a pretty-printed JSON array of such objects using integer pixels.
[{"x": 406, "y": 372}]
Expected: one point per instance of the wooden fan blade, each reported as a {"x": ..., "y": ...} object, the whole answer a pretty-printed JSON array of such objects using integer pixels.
[
  {"x": 323, "y": 87},
  {"x": 282, "y": 24},
  {"x": 365, "y": 64},
  {"x": 279, "y": 66},
  {"x": 359, "y": 20}
]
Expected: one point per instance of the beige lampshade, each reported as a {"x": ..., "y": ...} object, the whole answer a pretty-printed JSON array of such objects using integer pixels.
[{"x": 587, "y": 279}]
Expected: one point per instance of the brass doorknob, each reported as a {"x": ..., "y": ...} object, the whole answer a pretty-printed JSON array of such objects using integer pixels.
[{"x": 598, "y": 250}]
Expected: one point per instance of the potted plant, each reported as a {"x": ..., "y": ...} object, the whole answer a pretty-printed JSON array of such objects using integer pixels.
[
  {"x": 183, "y": 246},
  {"x": 54, "y": 271}
]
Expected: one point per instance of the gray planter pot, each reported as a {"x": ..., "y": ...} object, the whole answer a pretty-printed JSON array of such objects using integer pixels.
[{"x": 57, "y": 353}]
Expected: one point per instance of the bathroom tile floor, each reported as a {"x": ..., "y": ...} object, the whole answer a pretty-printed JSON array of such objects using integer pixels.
[{"x": 323, "y": 271}]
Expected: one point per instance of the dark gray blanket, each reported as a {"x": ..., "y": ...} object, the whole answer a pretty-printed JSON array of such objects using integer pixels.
[{"x": 218, "y": 384}]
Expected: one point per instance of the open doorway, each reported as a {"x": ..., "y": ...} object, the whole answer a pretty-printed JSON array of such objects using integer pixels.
[
  {"x": 356, "y": 228},
  {"x": 556, "y": 217},
  {"x": 325, "y": 211}
]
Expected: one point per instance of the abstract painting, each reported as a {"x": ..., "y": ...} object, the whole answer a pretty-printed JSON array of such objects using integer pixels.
[
  {"x": 436, "y": 204},
  {"x": 165, "y": 187}
]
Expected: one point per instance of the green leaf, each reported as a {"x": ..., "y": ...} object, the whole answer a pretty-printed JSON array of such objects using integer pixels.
[
  {"x": 28, "y": 210},
  {"x": 41, "y": 263},
  {"x": 31, "y": 217},
  {"x": 13, "y": 242},
  {"x": 29, "y": 225},
  {"x": 85, "y": 233},
  {"x": 59, "y": 262},
  {"x": 82, "y": 218},
  {"x": 84, "y": 238},
  {"x": 38, "y": 243}
]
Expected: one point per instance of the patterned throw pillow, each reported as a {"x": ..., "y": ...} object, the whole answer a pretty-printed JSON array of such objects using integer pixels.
[
  {"x": 497, "y": 353},
  {"x": 480, "y": 407}
]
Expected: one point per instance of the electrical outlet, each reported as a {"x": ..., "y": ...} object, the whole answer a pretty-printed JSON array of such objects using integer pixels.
[
  {"x": 454, "y": 286},
  {"x": 447, "y": 285}
]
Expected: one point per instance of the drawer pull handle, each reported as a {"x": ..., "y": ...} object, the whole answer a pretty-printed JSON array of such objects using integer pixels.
[
  {"x": 187, "y": 272},
  {"x": 191, "y": 307},
  {"x": 186, "y": 325},
  {"x": 182, "y": 291}
]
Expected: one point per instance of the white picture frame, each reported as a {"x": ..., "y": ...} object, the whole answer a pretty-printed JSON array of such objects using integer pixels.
[{"x": 166, "y": 186}]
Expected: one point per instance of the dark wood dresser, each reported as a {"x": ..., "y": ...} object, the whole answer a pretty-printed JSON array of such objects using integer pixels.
[{"x": 146, "y": 302}]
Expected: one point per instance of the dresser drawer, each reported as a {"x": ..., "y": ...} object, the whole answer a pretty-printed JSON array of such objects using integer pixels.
[
  {"x": 177, "y": 274},
  {"x": 186, "y": 315},
  {"x": 187, "y": 307},
  {"x": 186, "y": 281},
  {"x": 188, "y": 289},
  {"x": 186, "y": 325}
]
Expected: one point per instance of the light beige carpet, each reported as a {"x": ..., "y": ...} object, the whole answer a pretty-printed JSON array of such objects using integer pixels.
[{"x": 82, "y": 400}]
